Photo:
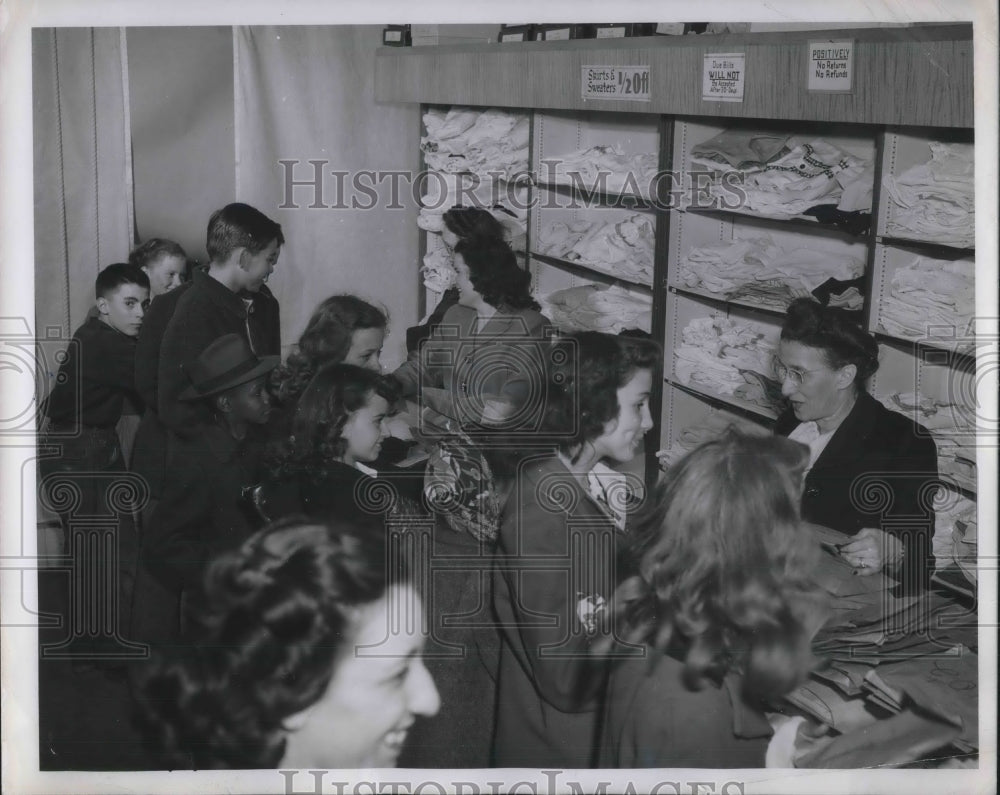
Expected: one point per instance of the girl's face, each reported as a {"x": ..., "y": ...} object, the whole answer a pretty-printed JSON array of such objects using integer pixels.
[
  {"x": 467, "y": 295},
  {"x": 366, "y": 348},
  {"x": 364, "y": 430},
  {"x": 165, "y": 274},
  {"x": 378, "y": 688},
  {"x": 622, "y": 435}
]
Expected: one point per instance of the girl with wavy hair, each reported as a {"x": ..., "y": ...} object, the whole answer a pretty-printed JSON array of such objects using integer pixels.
[
  {"x": 294, "y": 667},
  {"x": 723, "y": 606}
]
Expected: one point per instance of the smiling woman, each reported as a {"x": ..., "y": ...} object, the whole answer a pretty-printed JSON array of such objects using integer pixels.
[{"x": 295, "y": 667}]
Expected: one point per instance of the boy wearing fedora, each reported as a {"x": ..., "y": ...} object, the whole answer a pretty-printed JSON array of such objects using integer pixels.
[{"x": 201, "y": 511}]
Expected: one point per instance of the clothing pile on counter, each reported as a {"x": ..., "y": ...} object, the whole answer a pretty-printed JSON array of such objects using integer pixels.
[
  {"x": 711, "y": 427},
  {"x": 593, "y": 307},
  {"x": 901, "y": 676},
  {"x": 621, "y": 248},
  {"x": 476, "y": 142},
  {"x": 936, "y": 201},
  {"x": 756, "y": 270},
  {"x": 783, "y": 176},
  {"x": 508, "y": 203},
  {"x": 604, "y": 169},
  {"x": 954, "y": 433},
  {"x": 956, "y": 535},
  {"x": 726, "y": 357},
  {"x": 931, "y": 299}
]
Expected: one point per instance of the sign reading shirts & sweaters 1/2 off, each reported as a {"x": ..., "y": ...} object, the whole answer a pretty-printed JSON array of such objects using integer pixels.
[{"x": 615, "y": 82}]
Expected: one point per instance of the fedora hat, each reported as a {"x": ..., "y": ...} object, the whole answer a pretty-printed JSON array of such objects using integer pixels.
[{"x": 225, "y": 363}]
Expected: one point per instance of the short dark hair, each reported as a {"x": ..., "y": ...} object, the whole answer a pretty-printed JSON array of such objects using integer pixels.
[
  {"x": 319, "y": 417},
  {"x": 473, "y": 223},
  {"x": 240, "y": 226},
  {"x": 145, "y": 254},
  {"x": 271, "y": 627},
  {"x": 114, "y": 276},
  {"x": 495, "y": 274},
  {"x": 835, "y": 333},
  {"x": 326, "y": 340},
  {"x": 592, "y": 367}
]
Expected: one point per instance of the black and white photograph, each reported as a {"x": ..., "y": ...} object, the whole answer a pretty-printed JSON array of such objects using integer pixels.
[{"x": 455, "y": 399}]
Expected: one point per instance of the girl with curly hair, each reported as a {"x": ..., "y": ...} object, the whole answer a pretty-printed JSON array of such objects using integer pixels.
[
  {"x": 320, "y": 467},
  {"x": 568, "y": 510},
  {"x": 723, "y": 610},
  {"x": 343, "y": 328},
  {"x": 294, "y": 667}
]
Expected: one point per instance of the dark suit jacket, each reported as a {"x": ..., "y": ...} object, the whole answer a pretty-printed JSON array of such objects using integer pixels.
[
  {"x": 878, "y": 470},
  {"x": 149, "y": 452}
]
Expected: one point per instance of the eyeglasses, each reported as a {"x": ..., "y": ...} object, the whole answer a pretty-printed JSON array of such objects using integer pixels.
[{"x": 792, "y": 374}]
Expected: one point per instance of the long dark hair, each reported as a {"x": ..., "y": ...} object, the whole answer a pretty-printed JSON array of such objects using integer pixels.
[
  {"x": 275, "y": 617},
  {"x": 725, "y": 568},
  {"x": 495, "y": 274}
]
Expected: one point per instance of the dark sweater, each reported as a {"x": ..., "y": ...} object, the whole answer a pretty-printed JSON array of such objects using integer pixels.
[
  {"x": 95, "y": 378},
  {"x": 205, "y": 312},
  {"x": 880, "y": 448}
]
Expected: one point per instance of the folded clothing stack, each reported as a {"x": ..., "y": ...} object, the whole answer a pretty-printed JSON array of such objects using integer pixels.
[
  {"x": 727, "y": 357},
  {"x": 757, "y": 270},
  {"x": 931, "y": 299},
  {"x": 508, "y": 203},
  {"x": 952, "y": 427},
  {"x": 463, "y": 140},
  {"x": 782, "y": 176},
  {"x": 936, "y": 200},
  {"x": 900, "y": 676},
  {"x": 438, "y": 271},
  {"x": 621, "y": 248},
  {"x": 603, "y": 169},
  {"x": 593, "y": 307}
]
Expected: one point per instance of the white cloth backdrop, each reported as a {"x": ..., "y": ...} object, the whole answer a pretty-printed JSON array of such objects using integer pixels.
[
  {"x": 82, "y": 159},
  {"x": 307, "y": 94}
]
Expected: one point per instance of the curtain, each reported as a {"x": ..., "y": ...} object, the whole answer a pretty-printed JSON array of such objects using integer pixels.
[
  {"x": 306, "y": 94},
  {"x": 83, "y": 195}
]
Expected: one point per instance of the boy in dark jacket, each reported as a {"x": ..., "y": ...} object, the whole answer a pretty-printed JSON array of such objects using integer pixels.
[
  {"x": 243, "y": 246},
  {"x": 83, "y": 408},
  {"x": 201, "y": 511}
]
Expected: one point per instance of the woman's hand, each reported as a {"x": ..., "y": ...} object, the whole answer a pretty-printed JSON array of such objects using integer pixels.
[{"x": 870, "y": 550}]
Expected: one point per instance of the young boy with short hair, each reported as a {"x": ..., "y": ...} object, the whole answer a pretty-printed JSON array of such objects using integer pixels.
[
  {"x": 84, "y": 407},
  {"x": 243, "y": 246},
  {"x": 202, "y": 511}
]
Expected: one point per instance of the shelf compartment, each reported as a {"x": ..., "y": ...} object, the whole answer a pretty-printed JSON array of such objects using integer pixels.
[
  {"x": 559, "y": 134},
  {"x": 544, "y": 218},
  {"x": 690, "y": 231},
  {"x": 752, "y": 358},
  {"x": 690, "y": 133},
  {"x": 938, "y": 393},
  {"x": 686, "y": 413},
  {"x": 902, "y": 151},
  {"x": 949, "y": 331},
  {"x": 630, "y": 308}
]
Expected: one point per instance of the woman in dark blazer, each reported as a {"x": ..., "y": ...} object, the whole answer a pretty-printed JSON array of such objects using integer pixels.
[{"x": 873, "y": 472}]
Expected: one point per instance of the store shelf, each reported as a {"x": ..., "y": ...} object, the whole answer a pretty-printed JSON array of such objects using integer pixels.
[
  {"x": 728, "y": 402},
  {"x": 955, "y": 337},
  {"x": 590, "y": 198},
  {"x": 589, "y": 270},
  {"x": 681, "y": 310},
  {"x": 902, "y": 151}
]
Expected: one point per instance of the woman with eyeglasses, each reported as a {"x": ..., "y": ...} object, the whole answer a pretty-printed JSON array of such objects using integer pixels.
[{"x": 872, "y": 471}]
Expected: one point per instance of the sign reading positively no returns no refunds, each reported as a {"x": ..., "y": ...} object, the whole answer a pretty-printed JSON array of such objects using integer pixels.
[
  {"x": 723, "y": 77},
  {"x": 831, "y": 65},
  {"x": 615, "y": 82}
]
